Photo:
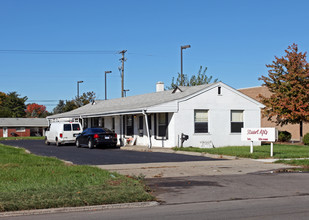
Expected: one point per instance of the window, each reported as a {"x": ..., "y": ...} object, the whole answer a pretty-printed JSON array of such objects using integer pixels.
[
  {"x": 76, "y": 127},
  {"x": 149, "y": 121},
  {"x": 201, "y": 121},
  {"x": 67, "y": 127},
  {"x": 162, "y": 124},
  {"x": 141, "y": 125},
  {"x": 129, "y": 124},
  {"x": 101, "y": 123},
  {"x": 113, "y": 124},
  {"x": 237, "y": 121},
  {"x": 219, "y": 90},
  {"x": 21, "y": 129},
  {"x": 94, "y": 122},
  {"x": 85, "y": 123}
]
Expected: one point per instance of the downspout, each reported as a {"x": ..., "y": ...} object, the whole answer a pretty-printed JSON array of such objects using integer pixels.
[{"x": 147, "y": 128}]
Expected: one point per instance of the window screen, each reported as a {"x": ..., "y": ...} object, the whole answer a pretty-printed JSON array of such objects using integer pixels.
[{"x": 201, "y": 121}]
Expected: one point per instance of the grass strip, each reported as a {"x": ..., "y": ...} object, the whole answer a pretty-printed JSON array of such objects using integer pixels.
[
  {"x": 21, "y": 138},
  {"x": 259, "y": 152},
  {"x": 304, "y": 163},
  {"x": 33, "y": 182}
]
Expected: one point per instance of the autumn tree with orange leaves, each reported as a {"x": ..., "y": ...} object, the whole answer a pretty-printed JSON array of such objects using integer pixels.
[
  {"x": 36, "y": 111},
  {"x": 288, "y": 80}
]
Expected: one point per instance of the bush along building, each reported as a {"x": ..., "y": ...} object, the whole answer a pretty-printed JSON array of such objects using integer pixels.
[{"x": 211, "y": 115}]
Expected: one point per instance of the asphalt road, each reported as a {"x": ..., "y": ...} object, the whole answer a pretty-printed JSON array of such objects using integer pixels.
[
  {"x": 251, "y": 196},
  {"x": 100, "y": 156}
]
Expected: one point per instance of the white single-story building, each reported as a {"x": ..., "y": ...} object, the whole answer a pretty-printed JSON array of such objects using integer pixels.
[{"x": 211, "y": 115}]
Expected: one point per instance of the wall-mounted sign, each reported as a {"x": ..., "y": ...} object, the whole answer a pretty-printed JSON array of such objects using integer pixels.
[{"x": 259, "y": 134}]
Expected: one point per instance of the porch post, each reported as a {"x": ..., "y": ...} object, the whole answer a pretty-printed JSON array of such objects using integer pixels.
[{"x": 147, "y": 128}]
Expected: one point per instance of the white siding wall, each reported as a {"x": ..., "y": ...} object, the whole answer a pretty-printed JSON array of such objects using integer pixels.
[{"x": 219, "y": 117}]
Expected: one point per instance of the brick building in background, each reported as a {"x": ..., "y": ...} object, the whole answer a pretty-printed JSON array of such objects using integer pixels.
[
  {"x": 254, "y": 92},
  {"x": 22, "y": 127}
]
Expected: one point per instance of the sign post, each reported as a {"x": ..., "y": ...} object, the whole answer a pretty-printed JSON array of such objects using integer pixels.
[{"x": 259, "y": 134}]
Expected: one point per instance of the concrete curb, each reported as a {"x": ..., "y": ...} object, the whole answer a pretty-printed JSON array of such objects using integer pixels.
[{"x": 79, "y": 209}]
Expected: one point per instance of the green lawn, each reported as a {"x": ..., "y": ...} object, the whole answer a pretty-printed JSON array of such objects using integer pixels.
[
  {"x": 303, "y": 163},
  {"x": 280, "y": 151},
  {"x": 21, "y": 138},
  {"x": 33, "y": 182}
]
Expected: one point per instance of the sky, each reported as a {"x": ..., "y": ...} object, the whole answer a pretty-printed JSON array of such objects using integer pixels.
[{"x": 233, "y": 39}]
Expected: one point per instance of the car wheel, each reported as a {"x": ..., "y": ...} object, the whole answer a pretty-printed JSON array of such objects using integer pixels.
[
  {"x": 77, "y": 143},
  {"x": 90, "y": 144},
  {"x": 46, "y": 141},
  {"x": 57, "y": 142}
]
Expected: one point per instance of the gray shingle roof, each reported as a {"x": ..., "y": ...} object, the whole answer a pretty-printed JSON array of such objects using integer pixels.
[
  {"x": 132, "y": 103},
  {"x": 23, "y": 122}
]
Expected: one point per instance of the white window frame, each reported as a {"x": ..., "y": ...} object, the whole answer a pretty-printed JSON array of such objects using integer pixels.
[
  {"x": 20, "y": 129},
  {"x": 236, "y": 121},
  {"x": 194, "y": 120}
]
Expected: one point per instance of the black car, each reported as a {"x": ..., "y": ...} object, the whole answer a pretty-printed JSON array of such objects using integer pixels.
[{"x": 92, "y": 137}]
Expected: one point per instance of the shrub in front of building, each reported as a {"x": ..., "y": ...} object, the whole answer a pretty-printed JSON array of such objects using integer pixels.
[
  {"x": 284, "y": 136},
  {"x": 306, "y": 139}
]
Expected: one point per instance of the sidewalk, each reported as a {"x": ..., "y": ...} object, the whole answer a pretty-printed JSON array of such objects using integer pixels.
[{"x": 228, "y": 166}]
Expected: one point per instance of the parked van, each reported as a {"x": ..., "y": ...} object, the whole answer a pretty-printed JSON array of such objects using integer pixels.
[{"x": 62, "y": 132}]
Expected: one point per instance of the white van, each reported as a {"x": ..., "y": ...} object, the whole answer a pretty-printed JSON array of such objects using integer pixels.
[{"x": 62, "y": 132}]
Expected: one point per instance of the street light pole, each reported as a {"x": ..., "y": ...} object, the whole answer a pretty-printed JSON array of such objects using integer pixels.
[
  {"x": 181, "y": 48},
  {"x": 105, "y": 84},
  {"x": 78, "y": 82}
]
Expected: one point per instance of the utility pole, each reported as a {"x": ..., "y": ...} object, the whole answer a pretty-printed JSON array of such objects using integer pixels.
[{"x": 123, "y": 59}]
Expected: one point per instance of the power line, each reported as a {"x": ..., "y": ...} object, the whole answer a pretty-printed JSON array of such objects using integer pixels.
[
  {"x": 42, "y": 100},
  {"x": 60, "y": 51}
]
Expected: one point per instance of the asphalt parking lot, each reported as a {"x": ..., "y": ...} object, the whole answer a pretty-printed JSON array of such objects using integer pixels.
[{"x": 101, "y": 156}]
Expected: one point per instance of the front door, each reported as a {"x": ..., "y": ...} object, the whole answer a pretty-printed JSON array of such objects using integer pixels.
[{"x": 5, "y": 132}]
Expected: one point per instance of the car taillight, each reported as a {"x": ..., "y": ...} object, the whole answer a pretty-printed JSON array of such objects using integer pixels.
[
  {"x": 60, "y": 135},
  {"x": 96, "y": 136}
]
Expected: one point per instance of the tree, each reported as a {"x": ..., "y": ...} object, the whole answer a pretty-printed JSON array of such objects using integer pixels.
[
  {"x": 70, "y": 105},
  {"x": 11, "y": 105},
  {"x": 288, "y": 80},
  {"x": 85, "y": 98},
  {"x": 59, "y": 108},
  {"x": 4, "y": 111},
  {"x": 195, "y": 80},
  {"x": 35, "y": 110}
]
